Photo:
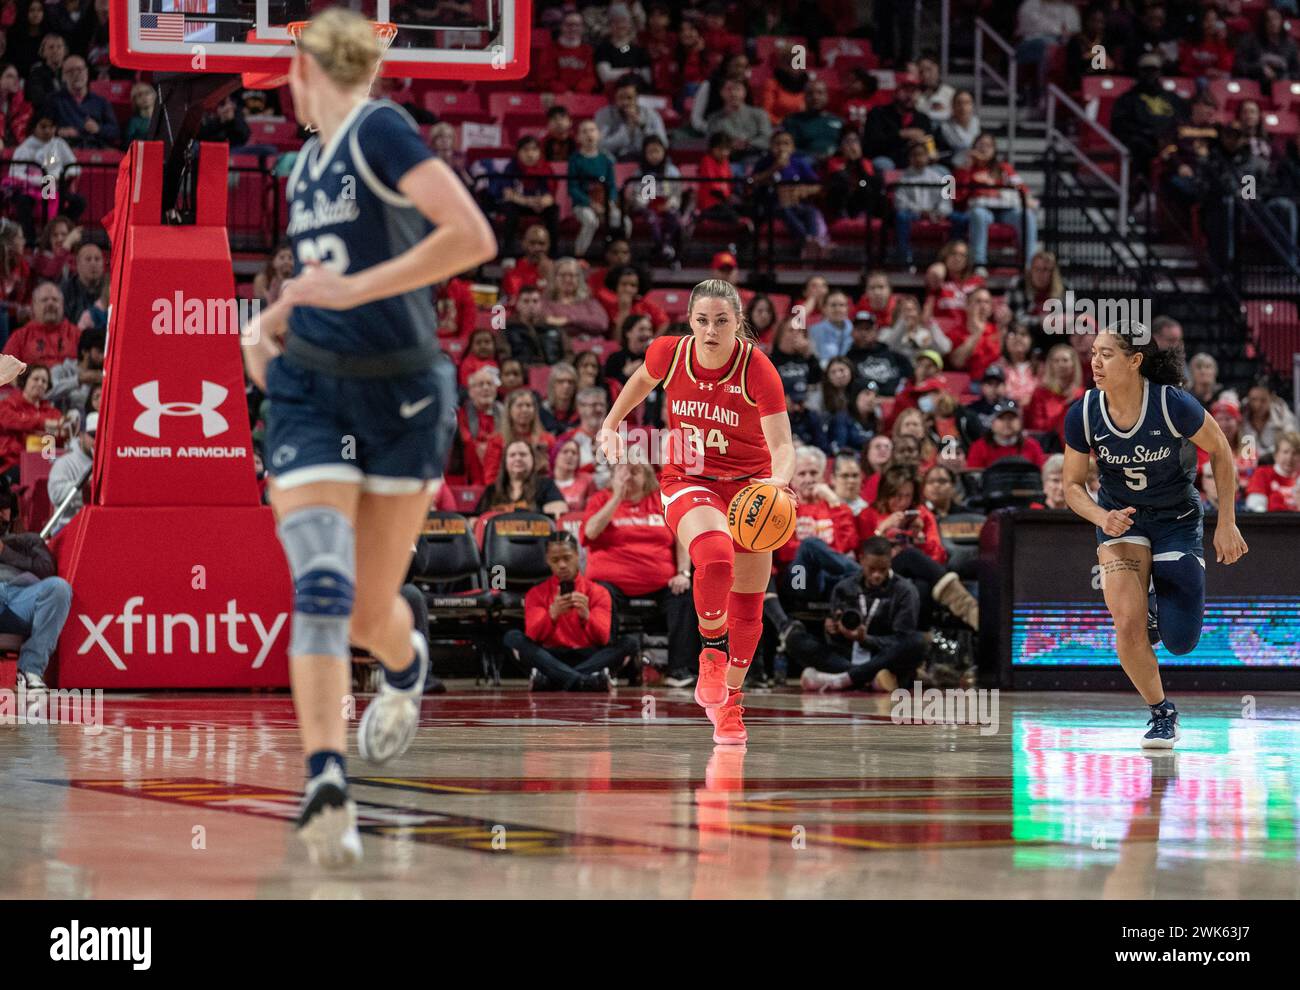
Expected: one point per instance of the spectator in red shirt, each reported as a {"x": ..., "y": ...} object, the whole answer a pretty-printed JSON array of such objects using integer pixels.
[
  {"x": 1006, "y": 438},
  {"x": 879, "y": 299},
  {"x": 566, "y": 641},
  {"x": 478, "y": 428},
  {"x": 529, "y": 192},
  {"x": 15, "y": 111},
  {"x": 690, "y": 64},
  {"x": 1273, "y": 486},
  {"x": 15, "y": 274},
  {"x": 631, "y": 551},
  {"x": 576, "y": 486},
  {"x": 455, "y": 307},
  {"x": 821, "y": 552},
  {"x": 568, "y": 65},
  {"x": 660, "y": 42},
  {"x": 977, "y": 344},
  {"x": 898, "y": 514},
  {"x": 54, "y": 249},
  {"x": 1061, "y": 387},
  {"x": 623, "y": 296},
  {"x": 718, "y": 200},
  {"x": 558, "y": 143},
  {"x": 481, "y": 352},
  {"x": 24, "y": 413},
  {"x": 948, "y": 283},
  {"x": 618, "y": 254},
  {"x": 990, "y": 191},
  {"x": 717, "y": 38},
  {"x": 49, "y": 338},
  {"x": 1208, "y": 56},
  {"x": 533, "y": 267},
  {"x": 521, "y": 422}
]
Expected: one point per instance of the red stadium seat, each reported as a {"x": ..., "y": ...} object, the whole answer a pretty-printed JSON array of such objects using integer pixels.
[
  {"x": 282, "y": 134},
  {"x": 1285, "y": 94},
  {"x": 584, "y": 105},
  {"x": 1281, "y": 123},
  {"x": 466, "y": 497},
  {"x": 1100, "y": 93},
  {"x": 847, "y": 53},
  {"x": 1186, "y": 88},
  {"x": 1229, "y": 92},
  {"x": 768, "y": 48},
  {"x": 671, "y": 301},
  {"x": 452, "y": 105},
  {"x": 516, "y": 106}
]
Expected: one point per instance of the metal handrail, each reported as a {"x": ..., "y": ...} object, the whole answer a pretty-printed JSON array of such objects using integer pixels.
[
  {"x": 1057, "y": 137},
  {"x": 1007, "y": 82}
]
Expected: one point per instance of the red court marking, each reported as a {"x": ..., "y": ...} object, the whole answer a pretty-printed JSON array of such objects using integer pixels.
[
  {"x": 941, "y": 786},
  {"x": 387, "y": 821}
]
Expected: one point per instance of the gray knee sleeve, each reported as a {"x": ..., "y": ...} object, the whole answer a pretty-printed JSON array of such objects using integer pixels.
[{"x": 318, "y": 541}]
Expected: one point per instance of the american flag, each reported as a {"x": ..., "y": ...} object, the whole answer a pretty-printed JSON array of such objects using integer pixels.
[{"x": 162, "y": 27}]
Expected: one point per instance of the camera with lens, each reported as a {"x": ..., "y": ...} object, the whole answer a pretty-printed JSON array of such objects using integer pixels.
[{"x": 850, "y": 620}]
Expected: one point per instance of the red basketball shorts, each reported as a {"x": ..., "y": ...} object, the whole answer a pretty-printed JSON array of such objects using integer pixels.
[{"x": 680, "y": 496}]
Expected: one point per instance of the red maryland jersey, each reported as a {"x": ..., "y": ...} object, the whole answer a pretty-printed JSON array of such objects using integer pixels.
[{"x": 719, "y": 411}]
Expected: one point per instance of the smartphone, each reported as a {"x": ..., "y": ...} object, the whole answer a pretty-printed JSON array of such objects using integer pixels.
[
  {"x": 566, "y": 587},
  {"x": 911, "y": 514}
]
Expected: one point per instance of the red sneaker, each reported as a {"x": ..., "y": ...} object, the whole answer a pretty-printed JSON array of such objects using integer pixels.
[
  {"x": 728, "y": 728},
  {"x": 711, "y": 685}
]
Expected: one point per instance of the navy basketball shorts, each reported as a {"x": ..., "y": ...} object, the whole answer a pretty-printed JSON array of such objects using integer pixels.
[
  {"x": 1168, "y": 532},
  {"x": 390, "y": 435}
]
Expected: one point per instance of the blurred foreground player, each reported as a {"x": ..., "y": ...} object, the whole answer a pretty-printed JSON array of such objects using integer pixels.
[
  {"x": 361, "y": 402},
  {"x": 1145, "y": 430}
]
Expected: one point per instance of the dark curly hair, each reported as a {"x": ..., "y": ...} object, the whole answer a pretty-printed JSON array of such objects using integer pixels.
[{"x": 1162, "y": 367}]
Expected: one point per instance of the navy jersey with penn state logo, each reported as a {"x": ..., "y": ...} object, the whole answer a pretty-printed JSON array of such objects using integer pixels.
[
  {"x": 346, "y": 213},
  {"x": 1153, "y": 464}
]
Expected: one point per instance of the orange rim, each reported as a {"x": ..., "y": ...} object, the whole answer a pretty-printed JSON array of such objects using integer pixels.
[{"x": 385, "y": 31}]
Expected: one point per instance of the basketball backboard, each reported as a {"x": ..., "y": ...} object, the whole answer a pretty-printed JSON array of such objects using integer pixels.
[{"x": 436, "y": 39}]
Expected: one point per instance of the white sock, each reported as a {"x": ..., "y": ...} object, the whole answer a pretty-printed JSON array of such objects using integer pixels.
[{"x": 840, "y": 682}]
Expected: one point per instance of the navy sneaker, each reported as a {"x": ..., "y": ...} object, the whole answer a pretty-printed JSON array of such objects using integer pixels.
[
  {"x": 328, "y": 821},
  {"x": 1164, "y": 728}
]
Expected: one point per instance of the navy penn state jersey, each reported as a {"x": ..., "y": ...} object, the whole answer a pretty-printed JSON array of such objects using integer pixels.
[
  {"x": 345, "y": 212},
  {"x": 1154, "y": 463}
]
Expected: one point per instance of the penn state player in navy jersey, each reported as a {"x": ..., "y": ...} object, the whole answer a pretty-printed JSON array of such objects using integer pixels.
[
  {"x": 361, "y": 403},
  {"x": 1145, "y": 430}
]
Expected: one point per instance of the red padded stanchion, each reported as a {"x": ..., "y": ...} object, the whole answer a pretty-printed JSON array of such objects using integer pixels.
[{"x": 177, "y": 577}]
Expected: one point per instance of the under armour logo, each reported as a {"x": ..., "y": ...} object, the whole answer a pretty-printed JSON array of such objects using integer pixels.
[
  {"x": 711, "y": 615},
  {"x": 149, "y": 422},
  {"x": 706, "y": 386}
]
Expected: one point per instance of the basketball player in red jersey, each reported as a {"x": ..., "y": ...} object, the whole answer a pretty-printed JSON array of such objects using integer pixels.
[{"x": 727, "y": 428}]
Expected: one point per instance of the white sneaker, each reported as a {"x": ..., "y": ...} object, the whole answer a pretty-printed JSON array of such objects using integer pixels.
[
  {"x": 815, "y": 680},
  {"x": 328, "y": 823},
  {"x": 390, "y": 721},
  {"x": 31, "y": 683}
]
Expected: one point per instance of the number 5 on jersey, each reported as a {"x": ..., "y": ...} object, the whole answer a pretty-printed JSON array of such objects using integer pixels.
[
  {"x": 1137, "y": 478},
  {"x": 697, "y": 438}
]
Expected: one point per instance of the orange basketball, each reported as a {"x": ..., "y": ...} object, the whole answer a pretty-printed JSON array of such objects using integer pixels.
[{"x": 761, "y": 517}]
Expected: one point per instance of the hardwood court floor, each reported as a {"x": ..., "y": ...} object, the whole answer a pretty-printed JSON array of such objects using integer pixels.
[{"x": 507, "y": 794}]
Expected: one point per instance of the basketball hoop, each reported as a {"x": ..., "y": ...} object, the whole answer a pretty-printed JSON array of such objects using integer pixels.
[{"x": 385, "y": 32}]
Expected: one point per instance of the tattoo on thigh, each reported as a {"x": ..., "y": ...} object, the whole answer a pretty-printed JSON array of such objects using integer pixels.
[{"x": 1118, "y": 566}]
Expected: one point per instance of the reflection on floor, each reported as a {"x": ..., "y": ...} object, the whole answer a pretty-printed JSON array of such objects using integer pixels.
[{"x": 507, "y": 794}]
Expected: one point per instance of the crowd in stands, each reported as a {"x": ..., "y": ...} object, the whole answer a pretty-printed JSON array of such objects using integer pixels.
[{"x": 902, "y": 403}]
